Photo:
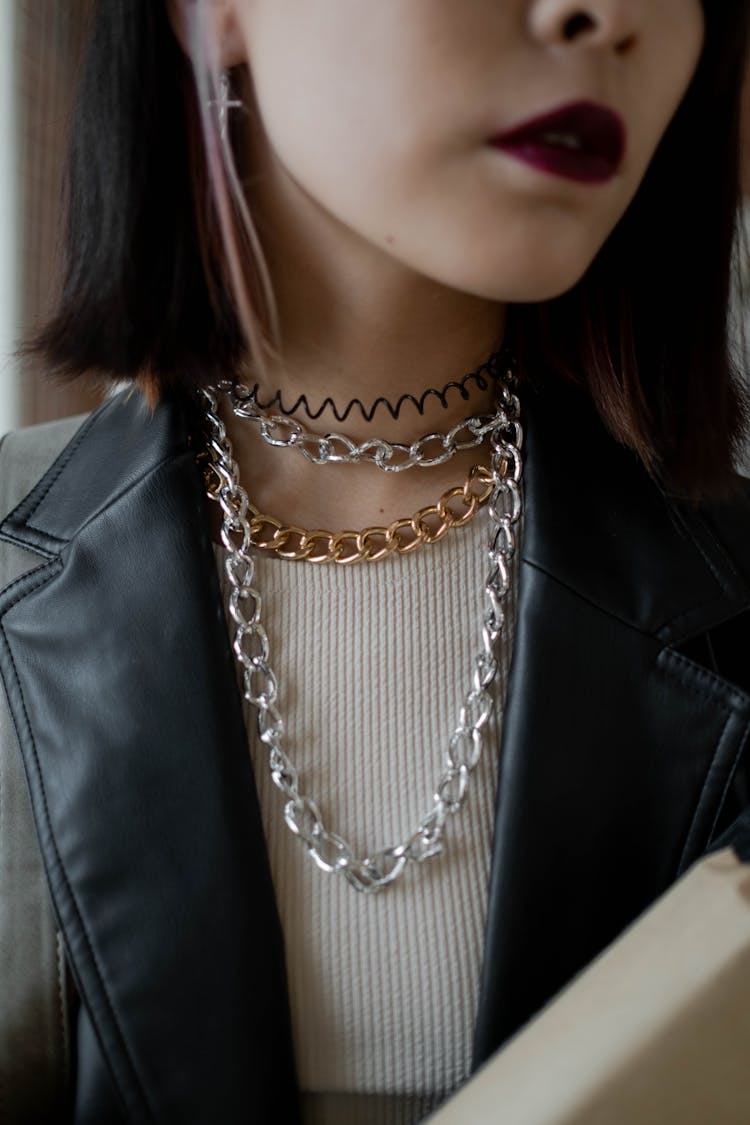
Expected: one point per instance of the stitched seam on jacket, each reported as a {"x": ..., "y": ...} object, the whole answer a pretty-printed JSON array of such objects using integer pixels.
[
  {"x": 687, "y": 672},
  {"x": 94, "y": 960},
  {"x": 9, "y": 537},
  {"x": 166, "y": 461},
  {"x": 699, "y": 803},
  {"x": 43, "y": 569},
  {"x": 63, "y": 460},
  {"x": 730, "y": 779},
  {"x": 727, "y": 698},
  {"x": 41, "y": 531}
]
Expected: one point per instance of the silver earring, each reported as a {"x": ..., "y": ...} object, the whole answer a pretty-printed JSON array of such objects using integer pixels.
[{"x": 224, "y": 103}]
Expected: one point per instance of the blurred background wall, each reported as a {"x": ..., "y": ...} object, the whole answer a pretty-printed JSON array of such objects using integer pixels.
[
  {"x": 9, "y": 248},
  {"x": 40, "y": 47}
]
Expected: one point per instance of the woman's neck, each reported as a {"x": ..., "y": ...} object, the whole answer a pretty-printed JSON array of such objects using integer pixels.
[
  {"x": 356, "y": 324},
  {"x": 391, "y": 359},
  {"x": 282, "y": 483},
  {"x": 382, "y": 336},
  {"x": 355, "y": 321}
]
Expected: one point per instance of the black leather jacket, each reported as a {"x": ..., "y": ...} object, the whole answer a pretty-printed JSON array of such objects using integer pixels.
[{"x": 628, "y": 711}]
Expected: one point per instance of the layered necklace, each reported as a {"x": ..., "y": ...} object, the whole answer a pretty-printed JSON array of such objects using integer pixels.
[{"x": 244, "y": 531}]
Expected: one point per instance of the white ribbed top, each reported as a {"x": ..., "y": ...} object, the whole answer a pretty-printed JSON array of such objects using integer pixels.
[{"x": 373, "y": 662}]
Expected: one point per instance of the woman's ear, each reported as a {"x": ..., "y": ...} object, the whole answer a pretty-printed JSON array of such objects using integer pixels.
[{"x": 222, "y": 28}]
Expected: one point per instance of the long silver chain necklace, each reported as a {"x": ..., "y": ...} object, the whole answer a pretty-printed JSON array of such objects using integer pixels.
[
  {"x": 335, "y": 448},
  {"x": 330, "y": 851}
]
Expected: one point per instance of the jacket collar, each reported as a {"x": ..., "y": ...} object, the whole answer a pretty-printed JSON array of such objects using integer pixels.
[{"x": 616, "y": 749}]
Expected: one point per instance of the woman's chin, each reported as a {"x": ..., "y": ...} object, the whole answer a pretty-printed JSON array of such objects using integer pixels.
[{"x": 518, "y": 277}]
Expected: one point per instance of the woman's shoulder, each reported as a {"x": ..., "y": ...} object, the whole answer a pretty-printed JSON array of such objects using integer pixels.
[{"x": 27, "y": 453}]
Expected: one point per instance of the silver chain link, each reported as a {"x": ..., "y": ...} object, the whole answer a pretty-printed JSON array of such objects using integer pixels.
[
  {"x": 335, "y": 449},
  {"x": 250, "y": 644}
]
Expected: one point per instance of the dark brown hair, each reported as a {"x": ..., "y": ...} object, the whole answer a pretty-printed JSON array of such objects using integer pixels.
[{"x": 145, "y": 293}]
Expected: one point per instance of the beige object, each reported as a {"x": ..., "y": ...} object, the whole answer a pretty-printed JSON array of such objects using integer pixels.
[{"x": 656, "y": 1030}]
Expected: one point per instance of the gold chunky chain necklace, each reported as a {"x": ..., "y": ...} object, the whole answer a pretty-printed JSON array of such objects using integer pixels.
[{"x": 455, "y": 508}]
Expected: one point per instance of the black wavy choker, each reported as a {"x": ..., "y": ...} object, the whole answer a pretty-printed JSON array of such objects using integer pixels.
[{"x": 485, "y": 376}]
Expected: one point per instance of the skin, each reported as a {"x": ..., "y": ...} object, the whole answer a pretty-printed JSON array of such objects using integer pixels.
[{"x": 394, "y": 235}]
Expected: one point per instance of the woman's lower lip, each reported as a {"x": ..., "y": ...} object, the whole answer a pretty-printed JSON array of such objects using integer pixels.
[{"x": 582, "y": 167}]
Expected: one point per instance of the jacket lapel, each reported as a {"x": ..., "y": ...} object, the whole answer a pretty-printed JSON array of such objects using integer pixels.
[
  {"x": 617, "y": 749},
  {"x": 120, "y": 679}
]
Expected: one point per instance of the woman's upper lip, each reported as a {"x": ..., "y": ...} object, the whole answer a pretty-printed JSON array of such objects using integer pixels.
[{"x": 593, "y": 131}]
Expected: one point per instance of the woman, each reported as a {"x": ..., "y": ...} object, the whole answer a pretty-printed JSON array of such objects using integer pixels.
[{"x": 365, "y": 216}]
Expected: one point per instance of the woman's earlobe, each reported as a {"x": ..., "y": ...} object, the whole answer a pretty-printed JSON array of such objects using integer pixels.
[{"x": 221, "y": 27}]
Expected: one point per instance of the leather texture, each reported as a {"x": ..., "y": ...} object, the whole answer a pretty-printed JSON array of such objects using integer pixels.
[
  {"x": 34, "y": 1040},
  {"x": 627, "y": 717}
]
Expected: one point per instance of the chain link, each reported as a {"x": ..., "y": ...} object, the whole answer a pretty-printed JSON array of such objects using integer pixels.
[
  {"x": 331, "y": 852},
  {"x": 455, "y": 508},
  {"x": 336, "y": 449}
]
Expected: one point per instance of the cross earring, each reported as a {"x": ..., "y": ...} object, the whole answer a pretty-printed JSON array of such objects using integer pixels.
[{"x": 224, "y": 103}]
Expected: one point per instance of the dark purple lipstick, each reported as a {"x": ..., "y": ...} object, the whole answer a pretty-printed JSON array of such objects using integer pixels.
[{"x": 581, "y": 141}]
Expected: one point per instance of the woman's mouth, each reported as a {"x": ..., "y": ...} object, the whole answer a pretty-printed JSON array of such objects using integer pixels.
[{"x": 582, "y": 141}]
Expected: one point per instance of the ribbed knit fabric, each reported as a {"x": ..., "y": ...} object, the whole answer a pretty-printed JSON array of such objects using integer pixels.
[{"x": 373, "y": 662}]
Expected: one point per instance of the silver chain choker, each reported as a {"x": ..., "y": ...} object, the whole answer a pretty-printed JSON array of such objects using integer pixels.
[
  {"x": 335, "y": 448},
  {"x": 250, "y": 644}
]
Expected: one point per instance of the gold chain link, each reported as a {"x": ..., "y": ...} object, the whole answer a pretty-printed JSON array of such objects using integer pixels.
[{"x": 455, "y": 508}]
